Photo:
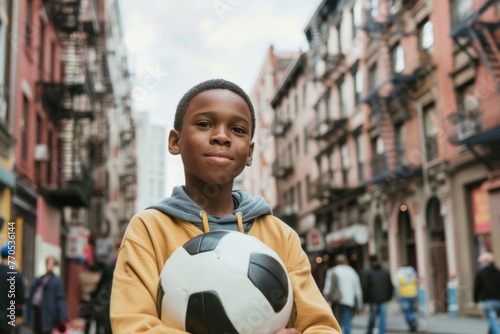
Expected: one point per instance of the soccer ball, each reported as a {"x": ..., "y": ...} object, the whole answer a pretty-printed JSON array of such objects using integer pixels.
[{"x": 225, "y": 282}]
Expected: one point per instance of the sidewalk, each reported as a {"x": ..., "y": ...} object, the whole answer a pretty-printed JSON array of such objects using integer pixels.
[{"x": 441, "y": 323}]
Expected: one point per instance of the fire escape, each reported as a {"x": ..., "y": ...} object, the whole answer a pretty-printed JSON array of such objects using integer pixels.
[
  {"x": 476, "y": 123},
  {"x": 128, "y": 180},
  {"x": 328, "y": 128},
  {"x": 389, "y": 100},
  {"x": 70, "y": 102}
]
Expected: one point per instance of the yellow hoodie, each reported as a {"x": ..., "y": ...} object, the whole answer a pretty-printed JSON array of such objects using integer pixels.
[{"x": 152, "y": 236}]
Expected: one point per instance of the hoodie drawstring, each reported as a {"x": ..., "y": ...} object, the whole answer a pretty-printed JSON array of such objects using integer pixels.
[
  {"x": 239, "y": 219},
  {"x": 206, "y": 227},
  {"x": 204, "y": 218}
]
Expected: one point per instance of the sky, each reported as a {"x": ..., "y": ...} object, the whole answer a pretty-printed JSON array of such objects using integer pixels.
[{"x": 172, "y": 45}]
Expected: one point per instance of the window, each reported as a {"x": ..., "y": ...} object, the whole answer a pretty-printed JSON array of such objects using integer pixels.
[
  {"x": 296, "y": 103},
  {"x": 299, "y": 195},
  {"x": 39, "y": 129},
  {"x": 372, "y": 76},
  {"x": 41, "y": 54},
  {"x": 378, "y": 156},
  {"x": 345, "y": 163},
  {"x": 426, "y": 36},
  {"x": 24, "y": 131},
  {"x": 342, "y": 101},
  {"x": 27, "y": 24},
  {"x": 328, "y": 106},
  {"x": 466, "y": 97},
  {"x": 339, "y": 37},
  {"x": 346, "y": 96},
  {"x": 331, "y": 170},
  {"x": 399, "y": 142},
  {"x": 50, "y": 137},
  {"x": 358, "y": 86},
  {"x": 459, "y": 9},
  {"x": 373, "y": 8},
  {"x": 356, "y": 17},
  {"x": 360, "y": 152},
  {"x": 297, "y": 147},
  {"x": 304, "y": 94},
  {"x": 430, "y": 132},
  {"x": 398, "y": 58},
  {"x": 306, "y": 141},
  {"x": 52, "y": 60}
]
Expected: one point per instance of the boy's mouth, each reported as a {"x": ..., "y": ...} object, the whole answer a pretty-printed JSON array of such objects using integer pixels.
[{"x": 219, "y": 157}]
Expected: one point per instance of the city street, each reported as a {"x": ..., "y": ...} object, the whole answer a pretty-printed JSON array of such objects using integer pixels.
[{"x": 441, "y": 323}]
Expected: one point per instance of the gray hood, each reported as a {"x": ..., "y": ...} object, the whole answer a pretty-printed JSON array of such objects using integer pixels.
[{"x": 180, "y": 205}]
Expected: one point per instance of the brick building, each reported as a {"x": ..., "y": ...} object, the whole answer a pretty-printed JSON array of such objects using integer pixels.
[
  {"x": 403, "y": 135},
  {"x": 67, "y": 137}
]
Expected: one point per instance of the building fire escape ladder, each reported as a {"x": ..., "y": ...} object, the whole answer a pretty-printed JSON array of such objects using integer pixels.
[
  {"x": 482, "y": 34},
  {"x": 484, "y": 40}
]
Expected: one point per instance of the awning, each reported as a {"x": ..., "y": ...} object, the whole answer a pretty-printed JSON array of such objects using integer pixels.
[
  {"x": 486, "y": 137},
  {"x": 353, "y": 235}
]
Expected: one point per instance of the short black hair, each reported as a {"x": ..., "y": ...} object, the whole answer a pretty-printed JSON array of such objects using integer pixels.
[{"x": 209, "y": 85}]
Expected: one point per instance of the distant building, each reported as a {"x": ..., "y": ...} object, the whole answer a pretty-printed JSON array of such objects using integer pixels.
[
  {"x": 151, "y": 154},
  {"x": 258, "y": 179}
]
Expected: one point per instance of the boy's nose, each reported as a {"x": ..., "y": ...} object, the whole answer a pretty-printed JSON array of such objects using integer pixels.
[{"x": 220, "y": 136}]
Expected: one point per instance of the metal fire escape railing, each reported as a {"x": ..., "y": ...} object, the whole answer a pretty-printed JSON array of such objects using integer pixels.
[
  {"x": 484, "y": 36},
  {"x": 78, "y": 78},
  {"x": 89, "y": 17},
  {"x": 64, "y": 13},
  {"x": 74, "y": 184},
  {"x": 72, "y": 96},
  {"x": 389, "y": 100}
]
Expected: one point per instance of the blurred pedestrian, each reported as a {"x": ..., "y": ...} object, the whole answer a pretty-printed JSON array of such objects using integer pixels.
[
  {"x": 12, "y": 295},
  {"x": 102, "y": 295},
  {"x": 350, "y": 287},
  {"x": 46, "y": 309},
  {"x": 377, "y": 291},
  {"x": 331, "y": 291},
  {"x": 88, "y": 283},
  {"x": 406, "y": 286},
  {"x": 487, "y": 290}
]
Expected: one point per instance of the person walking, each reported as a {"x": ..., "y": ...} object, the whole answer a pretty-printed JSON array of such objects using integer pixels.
[
  {"x": 405, "y": 284},
  {"x": 487, "y": 290},
  {"x": 377, "y": 291},
  {"x": 88, "y": 283},
  {"x": 12, "y": 293},
  {"x": 46, "y": 309},
  {"x": 331, "y": 291},
  {"x": 350, "y": 287}
]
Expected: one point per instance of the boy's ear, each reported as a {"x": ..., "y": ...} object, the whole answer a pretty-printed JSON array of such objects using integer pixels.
[
  {"x": 250, "y": 154},
  {"x": 173, "y": 142}
]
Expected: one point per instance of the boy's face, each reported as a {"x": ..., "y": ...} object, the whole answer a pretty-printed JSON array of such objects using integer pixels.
[{"x": 214, "y": 141}]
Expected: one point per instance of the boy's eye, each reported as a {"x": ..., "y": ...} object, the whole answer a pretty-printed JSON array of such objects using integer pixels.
[
  {"x": 203, "y": 124},
  {"x": 239, "y": 130}
]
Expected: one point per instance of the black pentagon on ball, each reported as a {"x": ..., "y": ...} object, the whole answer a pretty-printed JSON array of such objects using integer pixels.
[
  {"x": 206, "y": 315},
  {"x": 267, "y": 274},
  {"x": 204, "y": 242}
]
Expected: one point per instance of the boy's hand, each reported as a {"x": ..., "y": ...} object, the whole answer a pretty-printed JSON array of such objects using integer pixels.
[{"x": 287, "y": 331}]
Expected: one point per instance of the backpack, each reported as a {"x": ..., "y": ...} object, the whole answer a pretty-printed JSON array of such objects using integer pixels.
[{"x": 334, "y": 295}]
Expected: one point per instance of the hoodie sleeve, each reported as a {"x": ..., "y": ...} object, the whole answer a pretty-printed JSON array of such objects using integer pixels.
[{"x": 135, "y": 285}]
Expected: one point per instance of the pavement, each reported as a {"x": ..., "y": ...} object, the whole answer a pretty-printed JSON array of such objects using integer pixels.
[
  {"x": 428, "y": 324},
  {"x": 431, "y": 324}
]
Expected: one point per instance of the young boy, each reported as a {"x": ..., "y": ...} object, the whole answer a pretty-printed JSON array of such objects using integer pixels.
[{"x": 213, "y": 129}]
